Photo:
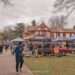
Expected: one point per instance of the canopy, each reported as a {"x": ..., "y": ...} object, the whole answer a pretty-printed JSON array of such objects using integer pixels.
[
  {"x": 71, "y": 38},
  {"x": 17, "y": 40},
  {"x": 60, "y": 39}
]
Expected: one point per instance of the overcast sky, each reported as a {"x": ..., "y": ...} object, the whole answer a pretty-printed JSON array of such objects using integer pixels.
[{"x": 25, "y": 10}]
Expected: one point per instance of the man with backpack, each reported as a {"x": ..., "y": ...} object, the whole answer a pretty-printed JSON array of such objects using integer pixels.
[{"x": 19, "y": 56}]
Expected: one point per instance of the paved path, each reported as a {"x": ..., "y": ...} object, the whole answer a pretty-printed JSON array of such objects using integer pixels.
[{"x": 7, "y": 65}]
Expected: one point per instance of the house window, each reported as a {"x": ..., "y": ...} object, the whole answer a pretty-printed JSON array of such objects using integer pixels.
[
  {"x": 55, "y": 35},
  {"x": 67, "y": 35},
  {"x": 61, "y": 34},
  {"x": 73, "y": 34},
  {"x": 64, "y": 34},
  {"x": 58, "y": 34}
]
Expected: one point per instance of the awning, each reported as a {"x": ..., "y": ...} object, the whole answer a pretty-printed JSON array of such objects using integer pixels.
[
  {"x": 71, "y": 38},
  {"x": 60, "y": 39},
  {"x": 17, "y": 40}
]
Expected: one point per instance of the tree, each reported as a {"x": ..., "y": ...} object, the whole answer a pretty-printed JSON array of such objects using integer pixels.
[
  {"x": 33, "y": 22},
  {"x": 19, "y": 29},
  {"x": 13, "y": 32},
  {"x": 68, "y": 5},
  {"x": 1, "y": 36},
  {"x": 74, "y": 27},
  {"x": 9, "y": 33},
  {"x": 6, "y": 2},
  {"x": 57, "y": 21}
]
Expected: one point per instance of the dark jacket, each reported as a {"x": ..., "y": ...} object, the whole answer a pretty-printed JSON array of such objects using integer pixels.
[{"x": 19, "y": 52}]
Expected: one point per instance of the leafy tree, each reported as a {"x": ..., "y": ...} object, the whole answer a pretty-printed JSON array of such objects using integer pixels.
[
  {"x": 33, "y": 22},
  {"x": 74, "y": 27},
  {"x": 8, "y": 33},
  {"x": 19, "y": 29},
  {"x": 1, "y": 36}
]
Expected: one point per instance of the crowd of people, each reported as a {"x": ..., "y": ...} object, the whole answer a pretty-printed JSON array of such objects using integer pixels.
[
  {"x": 17, "y": 51},
  {"x": 48, "y": 49},
  {"x": 35, "y": 49},
  {"x": 3, "y": 47}
]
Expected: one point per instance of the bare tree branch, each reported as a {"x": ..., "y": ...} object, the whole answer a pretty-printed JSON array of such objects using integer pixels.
[
  {"x": 68, "y": 5},
  {"x": 6, "y": 2},
  {"x": 57, "y": 21}
]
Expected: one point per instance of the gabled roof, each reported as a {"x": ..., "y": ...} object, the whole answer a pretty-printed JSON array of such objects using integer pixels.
[
  {"x": 44, "y": 27},
  {"x": 41, "y": 27}
]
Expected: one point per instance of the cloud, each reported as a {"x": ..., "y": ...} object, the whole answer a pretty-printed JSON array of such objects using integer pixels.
[{"x": 24, "y": 10}]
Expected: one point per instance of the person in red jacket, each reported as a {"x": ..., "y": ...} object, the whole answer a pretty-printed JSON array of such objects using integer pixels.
[{"x": 56, "y": 50}]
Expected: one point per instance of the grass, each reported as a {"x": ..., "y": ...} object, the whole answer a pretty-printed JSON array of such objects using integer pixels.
[{"x": 52, "y": 65}]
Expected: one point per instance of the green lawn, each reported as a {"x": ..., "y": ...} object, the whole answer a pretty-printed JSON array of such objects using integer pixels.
[{"x": 52, "y": 65}]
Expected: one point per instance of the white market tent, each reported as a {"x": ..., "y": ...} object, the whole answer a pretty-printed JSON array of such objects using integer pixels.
[{"x": 17, "y": 40}]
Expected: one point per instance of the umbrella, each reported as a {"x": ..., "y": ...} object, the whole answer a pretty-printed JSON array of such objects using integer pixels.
[{"x": 17, "y": 40}]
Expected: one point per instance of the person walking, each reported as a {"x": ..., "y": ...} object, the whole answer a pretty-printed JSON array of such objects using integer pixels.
[
  {"x": 31, "y": 48},
  {"x": 56, "y": 50},
  {"x": 19, "y": 56},
  {"x": 36, "y": 52},
  {"x": 1, "y": 48}
]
